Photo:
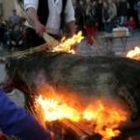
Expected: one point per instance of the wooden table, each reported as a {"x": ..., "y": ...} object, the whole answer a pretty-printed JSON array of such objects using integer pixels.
[{"x": 108, "y": 39}]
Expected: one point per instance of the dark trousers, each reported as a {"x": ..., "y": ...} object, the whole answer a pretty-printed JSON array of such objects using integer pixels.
[
  {"x": 108, "y": 27},
  {"x": 32, "y": 39},
  {"x": 91, "y": 32}
]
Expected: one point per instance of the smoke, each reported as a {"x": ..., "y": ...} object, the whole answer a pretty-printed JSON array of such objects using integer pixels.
[
  {"x": 39, "y": 80},
  {"x": 77, "y": 99}
]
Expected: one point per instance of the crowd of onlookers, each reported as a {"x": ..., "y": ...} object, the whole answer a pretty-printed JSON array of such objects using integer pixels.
[
  {"x": 104, "y": 15},
  {"x": 93, "y": 15}
]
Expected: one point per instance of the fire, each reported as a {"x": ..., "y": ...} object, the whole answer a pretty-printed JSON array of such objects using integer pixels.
[
  {"x": 104, "y": 117},
  {"x": 53, "y": 110},
  {"x": 134, "y": 54},
  {"x": 66, "y": 44}
]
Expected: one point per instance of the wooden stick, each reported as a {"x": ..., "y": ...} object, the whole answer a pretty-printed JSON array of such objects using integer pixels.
[
  {"x": 72, "y": 129},
  {"x": 87, "y": 130},
  {"x": 77, "y": 132}
]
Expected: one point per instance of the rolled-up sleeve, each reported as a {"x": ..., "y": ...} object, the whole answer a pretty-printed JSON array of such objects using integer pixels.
[
  {"x": 69, "y": 12},
  {"x": 30, "y": 4}
]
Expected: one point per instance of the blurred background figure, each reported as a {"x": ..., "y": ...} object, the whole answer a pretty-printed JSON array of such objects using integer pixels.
[
  {"x": 112, "y": 11},
  {"x": 3, "y": 29},
  {"x": 99, "y": 14},
  {"x": 130, "y": 24},
  {"x": 137, "y": 9},
  {"x": 105, "y": 16},
  {"x": 123, "y": 9},
  {"x": 80, "y": 9},
  {"x": 14, "y": 18},
  {"x": 91, "y": 21}
]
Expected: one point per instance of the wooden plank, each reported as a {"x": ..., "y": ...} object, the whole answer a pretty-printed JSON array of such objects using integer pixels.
[
  {"x": 85, "y": 127},
  {"x": 67, "y": 130},
  {"x": 80, "y": 135},
  {"x": 63, "y": 129}
]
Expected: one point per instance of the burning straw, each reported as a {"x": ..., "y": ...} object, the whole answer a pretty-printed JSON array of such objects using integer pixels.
[{"x": 51, "y": 45}]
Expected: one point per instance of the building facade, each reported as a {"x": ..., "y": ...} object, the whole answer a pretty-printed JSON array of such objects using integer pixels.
[{"x": 6, "y": 7}]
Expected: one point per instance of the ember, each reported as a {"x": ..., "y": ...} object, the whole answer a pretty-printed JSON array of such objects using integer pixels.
[{"x": 104, "y": 116}]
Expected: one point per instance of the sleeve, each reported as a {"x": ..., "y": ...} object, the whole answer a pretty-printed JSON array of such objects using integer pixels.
[
  {"x": 69, "y": 12},
  {"x": 30, "y": 4},
  {"x": 17, "y": 121}
]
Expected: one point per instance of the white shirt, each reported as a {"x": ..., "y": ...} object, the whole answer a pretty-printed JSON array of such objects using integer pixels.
[
  {"x": 54, "y": 19},
  {"x": 17, "y": 97}
]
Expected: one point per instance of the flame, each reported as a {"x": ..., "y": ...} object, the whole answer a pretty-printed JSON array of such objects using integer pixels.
[
  {"x": 66, "y": 44},
  {"x": 106, "y": 117},
  {"x": 134, "y": 53},
  {"x": 54, "y": 110}
]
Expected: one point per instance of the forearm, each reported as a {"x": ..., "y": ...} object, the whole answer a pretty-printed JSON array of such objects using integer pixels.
[
  {"x": 70, "y": 18},
  {"x": 71, "y": 28},
  {"x": 32, "y": 14},
  {"x": 37, "y": 25}
]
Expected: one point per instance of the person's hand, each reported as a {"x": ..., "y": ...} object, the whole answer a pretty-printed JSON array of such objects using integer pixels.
[
  {"x": 40, "y": 28},
  {"x": 7, "y": 85}
]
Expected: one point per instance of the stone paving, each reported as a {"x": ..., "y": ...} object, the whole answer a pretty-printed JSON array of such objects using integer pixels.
[{"x": 100, "y": 47}]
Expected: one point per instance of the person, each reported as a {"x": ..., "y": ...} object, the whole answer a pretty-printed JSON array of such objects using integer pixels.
[
  {"x": 3, "y": 29},
  {"x": 80, "y": 15},
  {"x": 99, "y": 14},
  {"x": 137, "y": 9},
  {"x": 112, "y": 12},
  {"x": 50, "y": 16},
  {"x": 130, "y": 24},
  {"x": 105, "y": 16},
  {"x": 17, "y": 121},
  {"x": 14, "y": 18},
  {"x": 123, "y": 11},
  {"x": 91, "y": 21}
]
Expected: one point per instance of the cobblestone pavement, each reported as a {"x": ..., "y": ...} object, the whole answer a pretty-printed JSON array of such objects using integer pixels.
[{"x": 101, "y": 48}]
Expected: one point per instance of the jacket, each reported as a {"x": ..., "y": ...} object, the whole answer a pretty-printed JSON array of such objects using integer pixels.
[{"x": 17, "y": 121}]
